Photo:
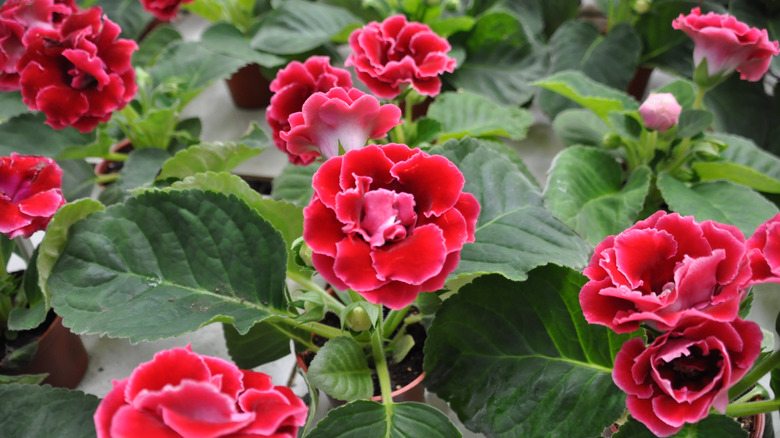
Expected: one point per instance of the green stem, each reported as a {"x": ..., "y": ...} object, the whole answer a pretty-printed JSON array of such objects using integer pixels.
[
  {"x": 317, "y": 328},
  {"x": 394, "y": 317},
  {"x": 25, "y": 248},
  {"x": 752, "y": 377},
  {"x": 107, "y": 178},
  {"x": 380, "y": 363},
  {"x": 398, "y": 134},
  {"x": 698, "y": 103},
  {"x": 116, "y": 156},
  {"x": 752, "y": 408},
  {"x": 308, "y": 284}
]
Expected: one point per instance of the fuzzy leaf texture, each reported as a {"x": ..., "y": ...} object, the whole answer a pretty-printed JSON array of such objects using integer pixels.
[
  {"x": 135, "y": 271},
  {"x": 518, "y": 359},
  {"x": 464, "y": 113},
  {"x": 32, "y": 411}
]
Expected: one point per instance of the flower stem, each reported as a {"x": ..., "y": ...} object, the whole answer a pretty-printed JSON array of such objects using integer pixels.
[
  {"x": 394, "y": 317},
  {"x": 698, "y": 103},
  {"x": 752, "y": 408},
  {"x": 398, "y": 134},
  {"x": 759, "y": 371},
  {"x": 107, "y": 178},
  {"x": 307, "y": 283},
  {"x": 380, "y": 363}
]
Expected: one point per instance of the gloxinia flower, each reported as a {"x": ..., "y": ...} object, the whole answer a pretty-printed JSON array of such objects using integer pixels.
[
  {"x": 163, "y": 10},
  {"x": 293, "y": 85},
  {"x": 388, "y": 222},
  {"x": 660, "y": 111},
  {"x": 764, "y": 252},
  {"x": 339, "y": 117},
  {"x": 79, "y": 73},
  {"x": 394, "y": 52},
  {"x": 30, "y": 194},
  {"x": 183, "y": 394},
  {"x": 685, "y": 371},
  {"x": 727, "y": 44},
  {"x": 664, "y": 269},
  {"x": 17, "y": 17}
]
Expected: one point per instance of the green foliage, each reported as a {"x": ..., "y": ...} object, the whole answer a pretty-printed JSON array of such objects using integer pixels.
[
  {"x": 599, "y": 98},
  {"x": 467, "y": 114},
  {"x": 713, "y": 426},
  {"x": 340, "y": 368},
  {"x": 37, "y": 411}
]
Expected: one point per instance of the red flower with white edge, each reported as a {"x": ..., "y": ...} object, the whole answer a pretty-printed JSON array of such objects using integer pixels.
[
  {"x": 292, "y": 86},
  {"x": 685, "y": 371},
  {"x": 184, "y": 394},
  {"x": 338, "y": 118},
  {"x": 664, "y": 269},
  {"x": 79, "y": 73},
  {"x": 164, "y": 10},
  {"x": 30, "y": 194},
  {"x": 17, "y": 17},
  {"x": 395, "y": 52},
  {"x": 727, "y": 44},
  {"x": 764, "y": 252},
  {"x": 388, "y": 222}
]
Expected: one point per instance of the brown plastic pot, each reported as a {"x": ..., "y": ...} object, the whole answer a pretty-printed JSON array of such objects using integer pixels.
[
  {"x": 249, "y": 88},
  {"x": 61, "y": 354}
]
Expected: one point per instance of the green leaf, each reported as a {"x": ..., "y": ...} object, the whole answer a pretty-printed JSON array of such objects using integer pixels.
[
  {"x": 293, "y": 184},
  {"x": 204, "y": 157},
  {"x": 721, "y": 201},
  {"x": 135, "y": 270},
  {"x": 299, "y": 26},
  {"x": 693, "y": 122},
  {"x": 27, "y": 318},
  {"x": 712, "y": 426},
  {"x": 464, "y": 113},
  {"x": 140, "y": 168},
  {"x": 263, "y": 343},
  {"x": 36, "y": 411},
  {"x": 684, "y": 92},
  {"x": 56, "y": 236},
  {"x": 11, "y": 105},
  {"x": 580, "y": 126},
  {"x": 524, "y": 363},
  {"x": 368, "y": 419},
  {"x": 588, "y": 191},
  {"x": 743, "y": 108},
  {"x": 27, "y": 134},
  {"x": 24, "y": 379},
  {"x": 744, "y": 152},
  {"x": 609, "y": 60},
  {"x": 340, "y": 368},
  {"x": 592, "y": 95},
  {"x": 737, "y": 173},
  {"x": 515, "y": 232},
  {"x": 227, "y": 39},
  {"x": 154, "y": 44}
]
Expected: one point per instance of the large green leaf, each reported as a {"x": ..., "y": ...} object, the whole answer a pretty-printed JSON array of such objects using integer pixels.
[
  {"x": 515, "y": 232},
  {"x": 367, "y": 419},
  {"x": 154, "y": 44},
  {"x": 609, "y": 59},
  {"x": 227, "y": 39},
  {"x": 755, "y": 167},
  {"x": 26, "y": 134},
  {"x": 32, "y": 411},
  {"x": 140, "y": 168},
  {"x": 204, "y": 157},
  {"x": 464, "y": 113},
  {"x": 594, "y": 96},
  {"x": 294, "y": 183},
  {"x": 136, "y": 270},
  {"x": 519, "y": 360},
  {"x": 721, "y": 201},
  {"x": 712, "y": 426},
  {"x": 340, "y": 368},
  {"x": 298, "y": 26},
  {"x": 587, "y": 191},
  {"x": 11, "y": 105},
  {"x": 580, "y": 126},
  {"x": 265, "y": 342}
]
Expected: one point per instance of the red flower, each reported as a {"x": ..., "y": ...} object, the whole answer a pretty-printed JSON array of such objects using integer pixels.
[
  {"x": 727, "y": 44},
  {"x": 163, "y": 10},
  {"x": 17, "y": 17},
  {"x": 389, "y": 54},
  {"x": 339, "y": 117},
  {"x": 388, "y": 222},
  {"x": 30, "y": 194},
  {"x": 183, "y": 394},
  {"x": 660, "y": 111},
  {"x": 664, "y": 269},
  {"x": 79, "y": 73},
  {"x": 764, "y": 252},
  {"x": 686, "y": 371},
  {"x": 293, "y": 85}
]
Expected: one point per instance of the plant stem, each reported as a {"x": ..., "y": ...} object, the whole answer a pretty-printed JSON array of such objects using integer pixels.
[
  {"x": 759, "y": 371},
  {"x": 380, "y": 363},
  {"x": 752, "y": 408},
  {"x": 315, "y": 327},
  {"x": 107, "y": 178},
  {"x": 393, "y": 319},
  {"x": 307, "y": 283},
  {"x": 398, "y": 134},
  {"x": 699, "y": 102},
  {"x": 25, "y": 248}
]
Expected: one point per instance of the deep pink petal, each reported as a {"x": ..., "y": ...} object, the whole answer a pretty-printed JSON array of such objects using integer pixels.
[
  {"x": 130, "y": 423},
  {"x": 642, "y": 410},
  {"x": 434, "y": 180},
  {"x": 414, "y": 260},
  {"x": 168, "y": 367},
  {"x": 354, "y": 265},
  {"x": 108, "y": 407},
  {"x": 275, "y": 408}
]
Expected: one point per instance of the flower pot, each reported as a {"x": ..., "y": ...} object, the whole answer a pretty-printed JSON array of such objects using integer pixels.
[
  {"x": 105, "y": 166},
  {"x": 248, "y": 88},
  {"x": 638, "y": 84},
  {"x": 61, "y": 354}
]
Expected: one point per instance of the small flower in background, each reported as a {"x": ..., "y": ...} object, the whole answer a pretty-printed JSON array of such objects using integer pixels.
[
  {"x": 184, "y": 394},
  {"x": 339, "y": 118},
  {"x": 17, "y": 18},
  {"x": 664, "y": 269},
  {"x": 79, "y": 73},
  {"x": 163, "y": 10},
  {"x": 685, "y": 371},
  {"x": 764, "y": 251},
  {"x": 394, "y": 52},
  {"x": 660, "y": 111},
  {"x": 727, "y": 44},
  {"x": 30, "y": 194},
  {"x": 388, "y": 222},
  {"x": 293, "y": 85}
]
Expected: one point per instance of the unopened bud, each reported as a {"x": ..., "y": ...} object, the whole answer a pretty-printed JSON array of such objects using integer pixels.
[
  {"x": 660, "y": 111},
  {"x": 358, "y": 319},
  {"x": 611, "y": 140},
  {"x": 642, "y": 6}
]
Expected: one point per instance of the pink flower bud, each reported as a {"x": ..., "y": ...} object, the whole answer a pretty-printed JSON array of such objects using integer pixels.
[{"x": 660, "y": 111}]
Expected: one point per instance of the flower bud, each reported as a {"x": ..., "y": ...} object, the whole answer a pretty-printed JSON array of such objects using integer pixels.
[
  {"x": 642, "y": 6},
  {"x": 358, "y": 319},
  {"x": 611, "y": 140},
  {"x": 660, "y": 111}
]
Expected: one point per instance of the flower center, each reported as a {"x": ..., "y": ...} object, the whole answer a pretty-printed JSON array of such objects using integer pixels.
[
  {"x": 693, "y": 370},
  {"x": 386, "y": 216}
]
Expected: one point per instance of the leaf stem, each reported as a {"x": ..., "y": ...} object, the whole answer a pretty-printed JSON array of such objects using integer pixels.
[
  {"x": 698, "y": 103},
  {"x": 394, "y": 317},
  {"x": 752, "y": 408},
  {"x": 107, "y": 178},
  {"x": 380, "y": 364},
  {"x": 759, "y": 371},
  {"x": 309, "y": 284}
]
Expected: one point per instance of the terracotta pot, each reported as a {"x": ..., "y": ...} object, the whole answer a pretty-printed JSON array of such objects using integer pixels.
[
  {"x": 104, "y": 167},
  {"x": 61, "y": 354},
  {"x": 638, "y": 84},
  {"x": 248, "y": 88}
]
